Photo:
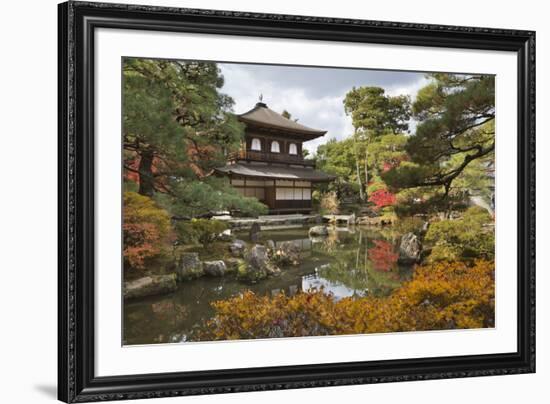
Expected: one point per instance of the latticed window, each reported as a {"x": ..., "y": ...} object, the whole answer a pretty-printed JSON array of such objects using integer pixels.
[
  {"x": 292, "y": 149},
  {"x": 293, "y": 194},
  {"x": 275, "y": 147},
  {"x": 256, "y": 144}
]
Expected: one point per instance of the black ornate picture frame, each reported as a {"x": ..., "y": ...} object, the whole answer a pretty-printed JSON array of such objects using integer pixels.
[{"x": 76, "y": 353}]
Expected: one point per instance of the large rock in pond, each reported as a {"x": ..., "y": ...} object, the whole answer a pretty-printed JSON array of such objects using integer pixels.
[
  {"x": 189, "y": 267},
  {"x": 150, "y": 285},
  {"x": 257, "y": 256},
  {"x": 255, "y": 233},
  {"x": 410, "y": 249},
  {"x": 287, "y": 253},
  {"x": 318, "y": 231},
  {"x": 255, "y": 265},
  {"x": 237, "y": 248},
  {"x": 214, "y": 268}
]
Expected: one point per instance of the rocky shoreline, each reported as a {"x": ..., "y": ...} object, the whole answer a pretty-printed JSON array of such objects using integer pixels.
[
  {"x": 249, "y": 263},
  {"x": 252, "y": 262}
]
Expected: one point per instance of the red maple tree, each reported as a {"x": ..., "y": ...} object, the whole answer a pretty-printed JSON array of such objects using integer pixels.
[{"x": 382, "y": 197}]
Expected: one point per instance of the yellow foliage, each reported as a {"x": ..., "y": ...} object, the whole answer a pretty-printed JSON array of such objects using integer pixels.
[
  {"x": 330, "y": 203},
  {"x": 146, "y": 229},
  {"x": 440, "y": 296}
]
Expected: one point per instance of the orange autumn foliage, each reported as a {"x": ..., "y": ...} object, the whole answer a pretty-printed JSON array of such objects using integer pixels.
[
  {"x": 145, "y": 230},
  {"x": 440, "y": 296}
]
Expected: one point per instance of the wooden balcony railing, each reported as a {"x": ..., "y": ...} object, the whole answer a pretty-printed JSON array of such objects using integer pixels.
[{"x": 270, "y": 157}]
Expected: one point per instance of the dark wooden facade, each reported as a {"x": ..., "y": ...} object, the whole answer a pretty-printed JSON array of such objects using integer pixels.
[
  {"x": 270, "y": 164},
  {"x": 276, "y": 193}
]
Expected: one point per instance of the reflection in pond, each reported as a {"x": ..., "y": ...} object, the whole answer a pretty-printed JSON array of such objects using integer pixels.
[{"x": 346, "y": 264}]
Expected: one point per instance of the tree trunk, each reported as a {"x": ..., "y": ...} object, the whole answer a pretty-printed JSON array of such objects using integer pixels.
[
  {"x": 366, "y": 171},
  {"x": 146, "y": 179},
  {"x": 359, "y": 182}
]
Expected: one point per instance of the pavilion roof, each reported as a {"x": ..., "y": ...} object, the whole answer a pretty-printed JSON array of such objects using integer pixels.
[
  {"x": 276, "y": 172},
  {"x": 264, "y": 117}
]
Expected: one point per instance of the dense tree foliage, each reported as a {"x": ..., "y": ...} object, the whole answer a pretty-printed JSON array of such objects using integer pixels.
[
  {"x": 193, "y": 198},
  {"x": 338, "y": 158},
  {"x": 177, "y": 127},
  {"x": 446, "y": 160},
  {"x": 374, "y": 114},
  {"x": 174, "y": 113},
  {"x": 455, "y": 115},
  {"x": 202, "y": 231},
  {"x": 376, "y": 146}
]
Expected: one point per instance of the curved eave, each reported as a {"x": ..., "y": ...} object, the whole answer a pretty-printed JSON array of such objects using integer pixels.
[
  {"x": 272, "y": 172},
  {"x": 305, "y": 134}
]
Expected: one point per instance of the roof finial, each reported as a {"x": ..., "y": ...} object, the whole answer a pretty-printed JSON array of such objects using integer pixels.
[{"x": 260, "y": 103}]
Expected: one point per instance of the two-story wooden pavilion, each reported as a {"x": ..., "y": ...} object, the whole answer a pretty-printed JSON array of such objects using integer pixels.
[{"x": 270, "y": 165}]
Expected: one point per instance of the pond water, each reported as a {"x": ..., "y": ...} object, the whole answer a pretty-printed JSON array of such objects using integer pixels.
[{"x": 348, "y": 263}]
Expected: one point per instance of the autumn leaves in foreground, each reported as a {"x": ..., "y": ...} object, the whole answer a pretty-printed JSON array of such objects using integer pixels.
[{"x": 441, "y": 296}]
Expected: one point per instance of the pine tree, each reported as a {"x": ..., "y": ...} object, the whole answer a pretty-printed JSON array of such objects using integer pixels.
[{"x": 178, "y": 126}]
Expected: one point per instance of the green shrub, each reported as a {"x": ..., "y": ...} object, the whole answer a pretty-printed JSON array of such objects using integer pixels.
[
  {"x": 466, "y": 238},
  {"x": 409, "y": 224},
  {"x": 203, "y": 231}
]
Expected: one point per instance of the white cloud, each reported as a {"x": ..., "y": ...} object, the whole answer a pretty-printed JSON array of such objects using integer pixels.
[
  {"x": 410, "y": 89},
  {"x": 324, "y": 112}
]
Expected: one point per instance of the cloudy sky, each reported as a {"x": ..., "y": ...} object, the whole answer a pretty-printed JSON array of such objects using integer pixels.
[{"x": 313, "y": 95}]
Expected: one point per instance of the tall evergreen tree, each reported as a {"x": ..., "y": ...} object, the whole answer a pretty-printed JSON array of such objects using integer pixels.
[{"x": 178, "y": 126}]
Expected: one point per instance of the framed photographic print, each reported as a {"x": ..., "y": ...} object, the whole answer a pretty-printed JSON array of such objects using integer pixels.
[{"x": 254, "y": 201}]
